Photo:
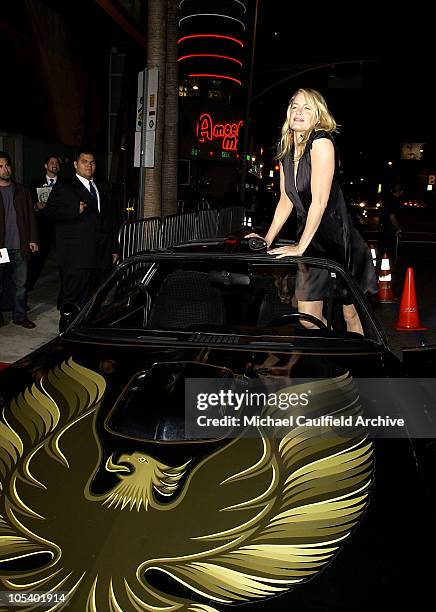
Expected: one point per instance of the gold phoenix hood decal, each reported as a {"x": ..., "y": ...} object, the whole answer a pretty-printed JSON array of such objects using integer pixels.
[{"x": 247, "y": 522}]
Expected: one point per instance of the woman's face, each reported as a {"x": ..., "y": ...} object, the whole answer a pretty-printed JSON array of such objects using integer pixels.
[{"x": 301, "y": 114}]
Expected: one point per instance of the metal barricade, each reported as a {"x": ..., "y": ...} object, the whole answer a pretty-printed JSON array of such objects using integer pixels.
[
  {"x": 139, "y": 235},
  {"x": 156, "y": 233},
  {"x": 206, "y": 224},
  {"x": 178, "y": 228},
  {"x": 224, "y": 222},
  {"x": 238, "y": 214},
  {"x": 230, "y": 220}
]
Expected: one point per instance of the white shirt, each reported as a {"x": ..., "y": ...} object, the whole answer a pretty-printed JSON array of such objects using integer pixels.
[
  {"x": 85, "y": 182},
  {"x": 48, "y": 180}
]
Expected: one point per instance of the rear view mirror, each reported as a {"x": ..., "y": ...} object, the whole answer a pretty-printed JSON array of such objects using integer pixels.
[{"x": 222, "y": 277}]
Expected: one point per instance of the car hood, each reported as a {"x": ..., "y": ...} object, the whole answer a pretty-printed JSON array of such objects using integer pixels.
[{"x": 95, "y": 474}]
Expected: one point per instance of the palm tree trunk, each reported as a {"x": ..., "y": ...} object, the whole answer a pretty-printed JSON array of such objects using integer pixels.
[{"x": 156, "y": 56}]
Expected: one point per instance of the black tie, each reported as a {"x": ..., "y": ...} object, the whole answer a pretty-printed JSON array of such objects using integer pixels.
[
  {"x": 93, "y": 191},
  {"x": 51, "y": 182}
]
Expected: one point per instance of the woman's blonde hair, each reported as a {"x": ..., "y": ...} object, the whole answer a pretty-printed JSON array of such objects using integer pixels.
[{"x": 322, "y": 120}]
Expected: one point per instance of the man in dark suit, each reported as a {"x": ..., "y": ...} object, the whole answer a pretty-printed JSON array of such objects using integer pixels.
[
  {"x": 46, "y": 232},
  {"x": 86, "y": 234}
]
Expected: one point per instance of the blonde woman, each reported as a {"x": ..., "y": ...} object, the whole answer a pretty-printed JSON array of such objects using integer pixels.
[{"x": 309, "y": 181}]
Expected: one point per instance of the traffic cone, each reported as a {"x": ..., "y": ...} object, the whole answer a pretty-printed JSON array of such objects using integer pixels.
[
  {"x": 373, "y": 253},
  {"x": 247, "y": 221},
  {"x": 408, "y": 317},
  {"x": 385, "y": 292}
]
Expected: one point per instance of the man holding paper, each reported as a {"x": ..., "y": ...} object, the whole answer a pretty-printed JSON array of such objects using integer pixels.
[
  {"x": 40, "y": 190},
  {"x": 18, "y": 238}
]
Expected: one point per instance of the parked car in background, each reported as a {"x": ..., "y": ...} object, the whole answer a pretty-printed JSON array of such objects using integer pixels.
[
  {"x": 413, "y": 203},
  {"x": 366, "y": 207}
]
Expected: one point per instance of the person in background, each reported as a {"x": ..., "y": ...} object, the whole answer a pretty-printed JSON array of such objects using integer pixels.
[
  {"x": 309, "y": 181},
  {"x": 86, "y": 234},
  {"x": 18, "y": 238},
  {"x": 389, "y": 227},
  {"x": 46, "y": 232}
]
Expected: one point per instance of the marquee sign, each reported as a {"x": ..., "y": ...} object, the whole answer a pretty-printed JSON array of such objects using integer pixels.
[{"x": 228, "y": 133}]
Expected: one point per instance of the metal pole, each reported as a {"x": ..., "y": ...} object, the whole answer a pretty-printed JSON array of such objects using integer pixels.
[
  {"x": 310, "y": 69},
  {"x": 142, "y": 146},
  {"x": 248, "y": 109}
]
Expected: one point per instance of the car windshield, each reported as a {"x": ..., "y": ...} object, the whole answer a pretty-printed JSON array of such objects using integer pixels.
[{"x": 227, "y": 295}]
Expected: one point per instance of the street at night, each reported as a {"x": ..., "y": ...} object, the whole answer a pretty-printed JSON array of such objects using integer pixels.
[{"x": 217, "y": 306}]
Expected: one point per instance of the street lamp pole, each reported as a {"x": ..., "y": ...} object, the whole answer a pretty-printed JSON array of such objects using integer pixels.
[
  {"x": 311, "y": 68},
  {"x": 248, "y": 110}
]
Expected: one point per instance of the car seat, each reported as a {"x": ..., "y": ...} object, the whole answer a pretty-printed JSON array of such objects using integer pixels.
[
  {"x": 269, "y": 305},
  {"x": 185, "y": 299}
]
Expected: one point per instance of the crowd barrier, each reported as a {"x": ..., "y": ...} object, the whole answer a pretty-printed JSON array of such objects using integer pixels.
[
  {"x": 139, "y": 235},
  {"x": 156, "y": 233}
]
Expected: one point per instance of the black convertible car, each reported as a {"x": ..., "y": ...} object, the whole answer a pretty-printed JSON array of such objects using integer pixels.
[{"x": 138, "y": 473}]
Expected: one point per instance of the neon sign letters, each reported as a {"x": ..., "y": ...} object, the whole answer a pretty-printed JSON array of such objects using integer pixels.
[{"x": 228, "y": 133}]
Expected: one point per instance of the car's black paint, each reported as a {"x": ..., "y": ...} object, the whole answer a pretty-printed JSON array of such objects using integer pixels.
[{"x": 380, "y": 565}]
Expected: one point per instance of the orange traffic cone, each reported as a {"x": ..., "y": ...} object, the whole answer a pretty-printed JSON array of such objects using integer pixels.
[
  {"x": 408, "y": 317},
  {"x": 373, "y": 253},
  {"x": 385, "y": 292}
]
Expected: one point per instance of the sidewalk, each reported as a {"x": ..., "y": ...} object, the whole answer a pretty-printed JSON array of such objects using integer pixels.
[{"x": 16, "y": 342}]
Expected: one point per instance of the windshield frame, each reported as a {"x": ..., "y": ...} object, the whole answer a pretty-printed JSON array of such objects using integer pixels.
[{"x": 79, "y": 327}]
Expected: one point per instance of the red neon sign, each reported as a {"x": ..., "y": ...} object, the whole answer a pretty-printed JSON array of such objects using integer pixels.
[
  {"x": 236, "y": 40},
  {"x": 228, "y": 133},
  {"x": 226, "y": 57}
]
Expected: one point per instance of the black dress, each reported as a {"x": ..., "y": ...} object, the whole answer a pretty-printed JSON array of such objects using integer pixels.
[{"x": 336, "y": 237}]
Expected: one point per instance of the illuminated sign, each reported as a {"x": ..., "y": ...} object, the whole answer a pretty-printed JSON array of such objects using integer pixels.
[{"x": 228, "y": 133}]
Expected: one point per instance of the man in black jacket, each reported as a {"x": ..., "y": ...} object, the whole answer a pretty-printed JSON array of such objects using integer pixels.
[
  {"x": 45, "y": 227},
  {"x": 18, "y": 238},
  {"x": 86, "y": 233},
  {"x": 389, "y": 226}
]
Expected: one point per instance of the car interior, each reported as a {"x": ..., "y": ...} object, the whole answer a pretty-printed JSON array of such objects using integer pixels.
[{"x": 218, "y": 297}]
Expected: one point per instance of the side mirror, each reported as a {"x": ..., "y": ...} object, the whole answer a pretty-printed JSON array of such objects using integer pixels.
[
  {"x": 257, "y": 244},
  {"x": 68, "y": 313}
]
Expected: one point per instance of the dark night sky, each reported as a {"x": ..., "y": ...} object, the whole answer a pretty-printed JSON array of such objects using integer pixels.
[{"x": 394, "y": 103}]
